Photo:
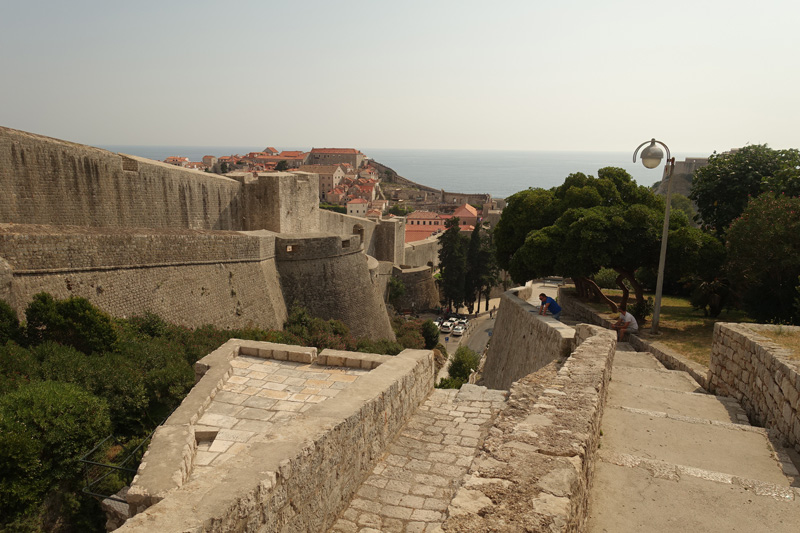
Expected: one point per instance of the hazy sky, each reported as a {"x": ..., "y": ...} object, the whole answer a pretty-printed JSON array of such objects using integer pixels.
[{"x": 519, "y": 75}]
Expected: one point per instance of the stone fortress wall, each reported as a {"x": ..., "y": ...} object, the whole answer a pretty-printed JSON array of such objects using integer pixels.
[
  {"x": 522, "y": 341},
  {"x": 133, "y": 235}
]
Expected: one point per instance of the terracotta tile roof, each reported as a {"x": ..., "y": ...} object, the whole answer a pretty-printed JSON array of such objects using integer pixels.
[
  {"x": 427, "y": 215},
  {"x": 358, "y": 201},
  {"x": 291, "y": 153},
  {"x": 466, "y": 210}
]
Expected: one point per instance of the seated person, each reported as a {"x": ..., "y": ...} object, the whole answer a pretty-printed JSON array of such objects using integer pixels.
[
  {"x": 548, "y": 304},
  {"x": 626, "y": 323}
]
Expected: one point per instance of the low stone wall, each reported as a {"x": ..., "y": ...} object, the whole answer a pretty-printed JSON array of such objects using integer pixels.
[
  {"x": 757, "y": 372},
  {"x": 422, "y": 253},
  {"x": 299, "y": 477},
  {"x": 537, "y": 464},
  {"x": 523, "y": 341}
]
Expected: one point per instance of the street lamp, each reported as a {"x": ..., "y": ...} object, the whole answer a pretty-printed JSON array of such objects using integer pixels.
[{"x": 651, "y": 158}]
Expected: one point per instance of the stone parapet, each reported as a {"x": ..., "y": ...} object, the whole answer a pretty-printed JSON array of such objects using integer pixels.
[
  {"x": 297, "y": 477},
  {"x": 758, "y": 372},
  {"x": 537, "y": 464},
  {"x": 523, "y": 341}
]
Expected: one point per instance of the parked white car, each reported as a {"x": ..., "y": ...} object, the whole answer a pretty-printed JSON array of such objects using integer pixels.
[
  {"x": 459, "y": 330},
  {"x": 447, "y": 327}
]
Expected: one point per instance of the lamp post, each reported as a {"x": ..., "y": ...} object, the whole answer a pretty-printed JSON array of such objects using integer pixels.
[{"x": 651, "y": 158}]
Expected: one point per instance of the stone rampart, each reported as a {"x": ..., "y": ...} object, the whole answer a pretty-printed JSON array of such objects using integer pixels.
[
  {"x": 330, "y": 277},
  {"x": 189, "y": 277},
  {"x": 283, "y": 202},
  {"x": 422, "y": 253},
  {"x": 760, "y": 374},
  {"x": 298, "y": 477},
  {"x": 523, "y": 341},
  {"x": 53, "y": 182},
  {"x": 535, "y": 470},
  {"x": 421, "y": 291},
  {"x": 345, "y": 225}
]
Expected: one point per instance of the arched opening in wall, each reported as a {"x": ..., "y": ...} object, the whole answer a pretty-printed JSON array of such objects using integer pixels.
[{"x": 358, "y": 229}]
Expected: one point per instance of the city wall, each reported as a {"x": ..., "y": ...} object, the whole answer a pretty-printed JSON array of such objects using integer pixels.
[
  {"x": 302, "y": 475},
  {"x": 760, "y": 374},
  {"x": 53, "y": 182},
  {"x": 421, "y": 291},
  {"x": 422, "y": 253},
  {"x": 522, "y": 341},
  {"x": 330, "y": 277},
  {"x": 189, "y": 277}
]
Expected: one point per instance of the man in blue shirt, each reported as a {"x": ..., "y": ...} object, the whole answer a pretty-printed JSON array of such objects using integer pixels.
[{"x": 548, "y": 304}]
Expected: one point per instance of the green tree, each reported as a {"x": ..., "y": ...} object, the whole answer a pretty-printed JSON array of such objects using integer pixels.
[
  {"x": 397, "y": 289},
  {"x": 431, "y": 334},
  {"x": 722, "y": 188},
  {"x": 74, "y": 322},
  {"x": 452, "y": 263},
  {"x": 9, "y": 324},
  {"x": 764, "y": 257},
  {"x": 400, "y": 210},
  {"x": 45, "y": 427},
  {"x": 282, "y": 165},
  {"x": 583, "y": 225}
]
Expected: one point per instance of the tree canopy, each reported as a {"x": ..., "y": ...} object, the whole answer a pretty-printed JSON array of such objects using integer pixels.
[
  {"x": 722, "y": 188},
  {"x": 586, "y": 223}
]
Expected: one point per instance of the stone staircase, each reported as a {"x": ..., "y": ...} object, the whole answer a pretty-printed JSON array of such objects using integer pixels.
[
  {"x": 674, "y": 458},
  {"x": 412, "y": 486}
]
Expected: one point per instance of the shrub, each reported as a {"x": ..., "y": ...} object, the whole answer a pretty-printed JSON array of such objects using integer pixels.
[
  {"x": 641, "y": 310},
  {"x": 463, "y": 363},
  {"x": 430, "y": 333},
  {"x": 44, "y": 429},
  {"x": 74, "y": 322},
  {"x": 17, "y": 367},
  {"x": 9, "y": 324}
]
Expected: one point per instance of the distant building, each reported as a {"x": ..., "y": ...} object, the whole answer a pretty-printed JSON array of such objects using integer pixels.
[
  {"x": 209, "y": 160},
  {"x": 467, "y": 215},
  {"x": 331, "y": 156},
  {"x": 357, "y": 207},
  {"x": 330, "y": 176},
  {"x": 177, "y": 161}
]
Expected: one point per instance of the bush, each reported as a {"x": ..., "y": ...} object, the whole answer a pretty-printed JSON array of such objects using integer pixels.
[
  {"x": 18, "y": 366},
  {"x": 606, "y": 278},
  {"x": 9, "y": 324},
  {"x": 45, "y": 427},
  {"x": 430, "y": 333},
  {"x": 463, "y": 363},
  {"x": 74, "y": 322},
  {"x": 641, "y": 310}
]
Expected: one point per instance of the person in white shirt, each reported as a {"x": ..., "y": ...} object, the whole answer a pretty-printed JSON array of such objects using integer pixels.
[{"x": 626, "y": 323}]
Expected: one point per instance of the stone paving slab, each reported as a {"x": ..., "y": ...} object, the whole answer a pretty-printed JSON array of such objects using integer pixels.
[
  {"x": 701, "y": 445},
  {"x": 665, "y": 379},
  {"x": 411, "y": 488},
  {"x": 259, "y": 394},
  {"x": 633, "y": 359},
  {"x": 676, "y": 402},
  {"x": 633, "y": 500}
]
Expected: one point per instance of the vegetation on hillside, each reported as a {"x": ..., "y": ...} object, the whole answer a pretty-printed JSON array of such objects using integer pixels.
[{"x": 70, "y": 375}]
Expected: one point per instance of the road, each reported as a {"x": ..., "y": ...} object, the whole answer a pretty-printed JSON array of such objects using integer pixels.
[{"x": 476, "y": 338}]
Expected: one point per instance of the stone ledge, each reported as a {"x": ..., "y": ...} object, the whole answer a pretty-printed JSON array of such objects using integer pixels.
[
  {"x": 301, "y": 474},
  {"x": 536, "y": 467}
]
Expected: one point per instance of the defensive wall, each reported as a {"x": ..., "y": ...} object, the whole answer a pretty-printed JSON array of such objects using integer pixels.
[
  {"x": 296, "y": 477},
  {"x": 189, "y": 277},
  {"x": 329, "y": 276},
  {"x": 522, "y": 341},
  {"x": 134, "y": 235},
  {"x": 760, "y": 374},
  {"x": 421, "y": 293},
  {"x": 422, "y": 253}
]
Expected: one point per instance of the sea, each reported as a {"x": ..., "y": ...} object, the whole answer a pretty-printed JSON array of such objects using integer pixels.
[{"x": 500, "y": 173}]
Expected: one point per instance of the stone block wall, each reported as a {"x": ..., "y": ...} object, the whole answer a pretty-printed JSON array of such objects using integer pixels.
[
  {"x": 187, "y": 277},
  {"x": 53, "y": 182},
  {"x": 422, "y": 253},
  {"x": 299, "y": 477},
  {"x": 535, "y": 470},
  {"x": 421, "y": 291},
  {"x": 523, "y": 341},
  {"x": 330, "y": 277},
  {"x": 758, "y": 373}
]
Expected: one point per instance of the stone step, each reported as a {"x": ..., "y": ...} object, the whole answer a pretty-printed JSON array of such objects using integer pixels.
[
  {"x": 634, "y": 359},
  {"x": 412, "y": 486},
  {"x": 653, "y": 497},
  {"x": 661, "y": 378},
  {"x": 672, "y": 402}
]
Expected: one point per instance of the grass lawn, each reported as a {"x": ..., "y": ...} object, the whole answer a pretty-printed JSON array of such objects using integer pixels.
[{"x": 681, "y": 328}]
